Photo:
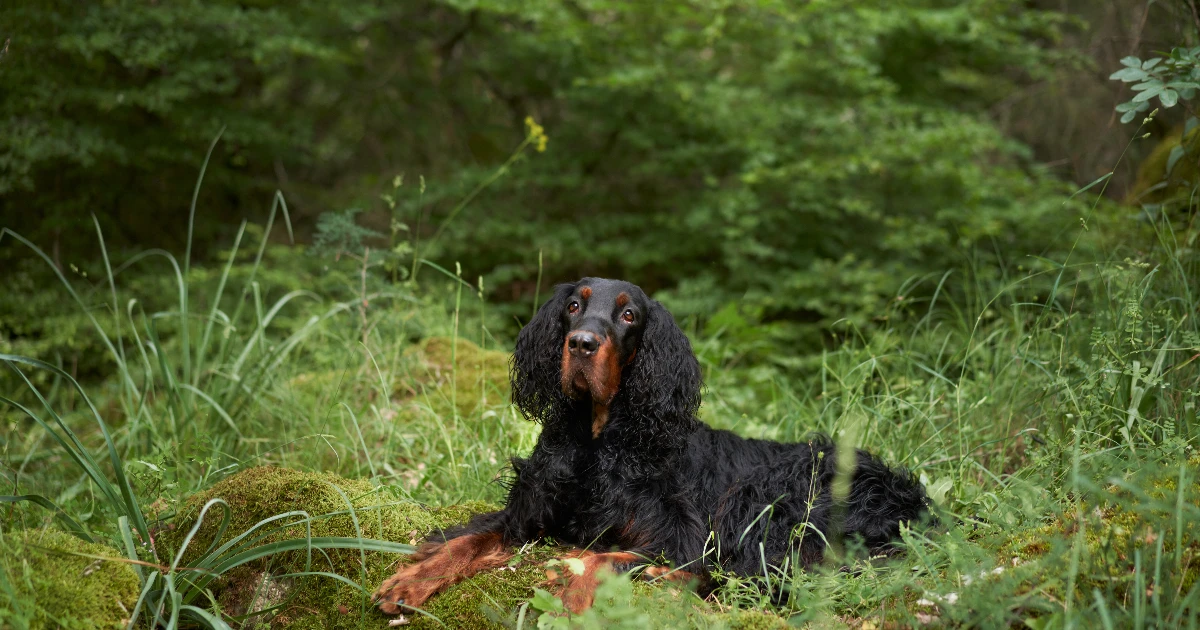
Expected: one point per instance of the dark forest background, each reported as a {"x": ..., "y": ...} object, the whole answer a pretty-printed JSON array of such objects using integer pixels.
[{"x": 802, "y": 158}]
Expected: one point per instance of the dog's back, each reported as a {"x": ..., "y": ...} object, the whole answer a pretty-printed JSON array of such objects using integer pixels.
[{"x": 766, "y": 499}]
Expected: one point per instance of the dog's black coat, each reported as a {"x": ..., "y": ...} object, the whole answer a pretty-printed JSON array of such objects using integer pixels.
[{"x": 656, "y": 481}]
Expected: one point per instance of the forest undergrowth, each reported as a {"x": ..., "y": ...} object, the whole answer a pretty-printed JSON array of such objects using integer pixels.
[{"x": 1050, "y": 409}]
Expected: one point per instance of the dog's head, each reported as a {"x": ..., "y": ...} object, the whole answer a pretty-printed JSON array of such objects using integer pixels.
[
  {"x": 598, "y": 341},
  {"x": 604, "y": 322}
]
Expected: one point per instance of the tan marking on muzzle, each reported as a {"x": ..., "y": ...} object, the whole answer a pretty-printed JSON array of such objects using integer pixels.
[
  {"x": 602, "y": 371},
  {"x": 605, "y": 383}
]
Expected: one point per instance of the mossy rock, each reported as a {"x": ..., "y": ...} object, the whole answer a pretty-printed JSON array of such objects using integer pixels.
[
  {"x": 260, "y": 493},
  {"x": 484, "y": 600},
  {"x": 256, "y": 494},
  {"x": 43, "y": 585}
]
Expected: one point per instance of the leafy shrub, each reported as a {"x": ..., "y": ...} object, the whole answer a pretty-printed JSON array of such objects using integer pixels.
[{"x": 799, "y": 160}]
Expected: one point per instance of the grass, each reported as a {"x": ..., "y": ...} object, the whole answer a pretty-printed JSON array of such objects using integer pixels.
[{"x": 1051, "y": 412}]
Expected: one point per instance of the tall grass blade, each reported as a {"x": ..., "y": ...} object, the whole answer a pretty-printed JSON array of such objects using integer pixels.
[
  {"x": 128, "y": 505},
  {"x": 37, "y": 499},
  {"x": 187, "y": 260}
]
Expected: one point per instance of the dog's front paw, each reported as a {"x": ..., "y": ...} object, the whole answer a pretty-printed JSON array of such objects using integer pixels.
[{"x": 407, "y": 589}]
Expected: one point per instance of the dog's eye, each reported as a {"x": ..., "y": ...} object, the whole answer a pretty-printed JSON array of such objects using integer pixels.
[
  {"x": 627, "y": 316},
  {"x": 573, "y": 308}
]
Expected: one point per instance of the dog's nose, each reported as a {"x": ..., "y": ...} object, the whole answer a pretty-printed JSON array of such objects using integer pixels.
[{"x": 583, "y": 344}]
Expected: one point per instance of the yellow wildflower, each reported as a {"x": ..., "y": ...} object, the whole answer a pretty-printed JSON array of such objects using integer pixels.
[{"x": 537, "y": 134}]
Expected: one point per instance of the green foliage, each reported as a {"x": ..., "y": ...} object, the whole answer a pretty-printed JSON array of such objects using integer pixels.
[
  {"x": 99, "y": 99},
  {"x": 182, "y": 374},
  {"x": 323, "y": 507},
  {"x": 337, "y": 233},
  {"x": 170, "y": 588},
  {"x": 801, "y": 160},
  {"x": 796, "y": 159},
  {"x": 1167, "y": 180},
  {"x": 1170, "y": 79},
  {"x": 1169, "y": 177}
]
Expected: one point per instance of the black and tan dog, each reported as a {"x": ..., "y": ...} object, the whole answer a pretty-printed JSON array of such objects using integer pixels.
[{"x": 624, "y": 468}]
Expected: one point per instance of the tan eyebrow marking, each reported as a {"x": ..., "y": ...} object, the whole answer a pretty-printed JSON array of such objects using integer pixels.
[
  {"x": 586, "y": 293},
  {"x": 622, "y": 300}
]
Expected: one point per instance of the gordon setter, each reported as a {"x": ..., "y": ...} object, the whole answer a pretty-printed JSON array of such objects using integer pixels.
[{"x": 624, "y": 469}]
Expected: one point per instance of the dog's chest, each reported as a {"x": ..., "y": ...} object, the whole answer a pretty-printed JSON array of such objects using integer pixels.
[{"x": 613, "y": 486}]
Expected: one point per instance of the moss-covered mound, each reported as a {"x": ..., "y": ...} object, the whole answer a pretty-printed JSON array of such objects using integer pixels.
[
  {"x": 1141, "y": 529},
  {"x": 257, "y": 494},
  {"x": 485, "y": 600},
  {"x": 455, "y": 378},
  {"x": 43, "y": 585}
]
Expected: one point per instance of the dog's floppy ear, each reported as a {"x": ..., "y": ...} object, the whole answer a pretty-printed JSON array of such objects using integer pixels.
[
  {"x": 537, "y": 360},
  {"x": 664, "y": 380}
]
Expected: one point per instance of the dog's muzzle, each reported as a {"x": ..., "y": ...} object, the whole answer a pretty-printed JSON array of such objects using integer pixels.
[{"x": 587, "y": 366}]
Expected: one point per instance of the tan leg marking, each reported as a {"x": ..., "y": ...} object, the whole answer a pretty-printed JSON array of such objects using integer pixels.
[
  {"x": 580, "y": 590},
  {"x": 437, "y": 566},
  {"x": 667, "y": 574}
]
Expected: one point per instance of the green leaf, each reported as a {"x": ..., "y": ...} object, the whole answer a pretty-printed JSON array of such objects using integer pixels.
[
  {"x": 939, "y": 489},
  {"x": 1148, "y": 94},
  {"x": 1150, "y": 63},
  {"x": 1099, "y": 180},
  {"x": 575, "y": 565},
  {"x": 316, "y": 542},
  {"x": 1168, "y": 98},
  {"x": 1192, "y": 123},
  {"x": 205, "y": 618},
  {"x": 1129, "y": 75},
  {"x": 545, "y": 601},
  {"x": 1129, "y": 115},
  {"x": 1173, "y": 158},
  {"x": 554, "y": 622},
  {"x": 1132, "y": 62},
  {"x": 1147, "y": 85}
]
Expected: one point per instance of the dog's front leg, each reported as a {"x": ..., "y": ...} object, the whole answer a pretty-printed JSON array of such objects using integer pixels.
[{"x": 439, "y": 565}]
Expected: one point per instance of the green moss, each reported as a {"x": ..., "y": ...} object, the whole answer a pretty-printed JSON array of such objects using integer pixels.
[
  {"x": 42, "y": 585},
  {"x": 259, "y": 493},
  {"x": 1113, "y": 527},
  {"x": 758, "y": 620},
  {"x": 1153, "y": 184},
  {"x": 492, "y": 599},
  {"x": 456, "y": 378},
  {"x": 484, "y": 600}
]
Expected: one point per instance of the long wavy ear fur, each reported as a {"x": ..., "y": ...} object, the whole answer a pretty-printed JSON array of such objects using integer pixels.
[
  {"x": 537, "y": 360},
  {"x": 664, "y": 380}
]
